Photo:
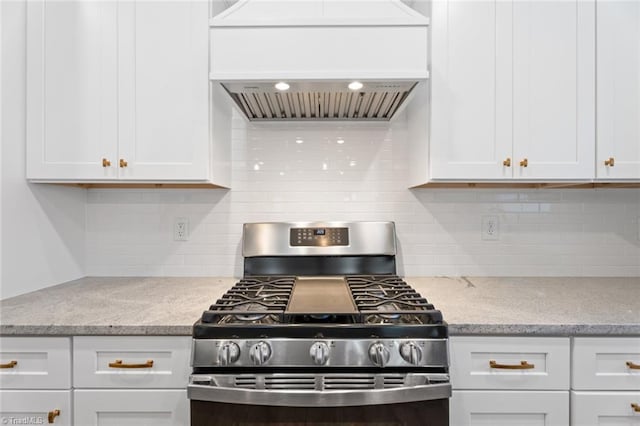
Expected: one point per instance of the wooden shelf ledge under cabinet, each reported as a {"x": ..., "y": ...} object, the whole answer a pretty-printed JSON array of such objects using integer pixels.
[
  {"x": 137, "y": 185},
  {"x": 526, "y": 185}
]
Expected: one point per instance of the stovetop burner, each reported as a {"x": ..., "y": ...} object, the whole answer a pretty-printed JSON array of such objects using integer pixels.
[{"x": 377, "y": 299}]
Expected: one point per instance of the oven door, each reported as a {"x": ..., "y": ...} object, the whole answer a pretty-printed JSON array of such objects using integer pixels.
[{"x": 345, "y": 399}]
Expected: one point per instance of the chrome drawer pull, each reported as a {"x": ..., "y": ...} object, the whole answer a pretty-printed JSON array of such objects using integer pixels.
[
  {"x": 524, "y": 365},
  {"x": 118, "y": 364}
]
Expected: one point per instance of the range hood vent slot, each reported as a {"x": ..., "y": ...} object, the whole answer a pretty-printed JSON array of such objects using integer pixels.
[{"x": 320, "y": 101}]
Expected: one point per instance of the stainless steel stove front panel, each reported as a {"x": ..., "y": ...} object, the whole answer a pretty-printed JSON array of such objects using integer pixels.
[
  {"x": 321, "y": 353},
  {"x": 274, "y": 239}
]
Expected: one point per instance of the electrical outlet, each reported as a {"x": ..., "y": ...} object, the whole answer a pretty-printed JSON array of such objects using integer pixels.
[
  {"x": 181, "y": 229},
  {"x": 490, "y": 230}
]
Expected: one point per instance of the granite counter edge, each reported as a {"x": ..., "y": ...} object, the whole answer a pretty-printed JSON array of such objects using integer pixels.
[{"x": 567, "y": 330}]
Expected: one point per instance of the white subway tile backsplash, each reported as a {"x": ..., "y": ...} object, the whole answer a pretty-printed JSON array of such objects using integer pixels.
[{"x": 543, "y": 232}]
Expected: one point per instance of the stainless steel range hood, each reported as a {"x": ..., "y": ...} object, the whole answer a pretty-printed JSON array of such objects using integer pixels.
[
  {"x": 376, "y": 101},
  {"x": 318, "y": 47}
]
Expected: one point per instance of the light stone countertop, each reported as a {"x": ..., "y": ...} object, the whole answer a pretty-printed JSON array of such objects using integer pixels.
[{"x": 470, "y": 305}]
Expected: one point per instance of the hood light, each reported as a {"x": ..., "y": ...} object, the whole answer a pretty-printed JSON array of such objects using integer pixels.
[
  {"x": 299, "y": 141},
  {"x": 340, "y": 141},
  {"x": 282, "y": 86},
  {"x": 355, "y": 85}
]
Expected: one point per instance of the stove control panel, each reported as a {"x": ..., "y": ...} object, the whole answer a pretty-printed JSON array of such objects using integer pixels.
[
  {"x": 319, "y": 237},
  {"x": 325, "y": 353}
]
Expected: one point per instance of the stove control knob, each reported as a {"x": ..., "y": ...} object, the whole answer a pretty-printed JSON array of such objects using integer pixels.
[
  {"x": 411, "y": 352},
  {"x": 229, "y": 353},
  {"x": 319, "y": 353},
  {"x": 379, "y": 354},
  {"x": 260, "y": 353}
]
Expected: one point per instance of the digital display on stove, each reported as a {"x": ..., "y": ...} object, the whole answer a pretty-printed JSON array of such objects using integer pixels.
[{"x": 319, "y": 237}]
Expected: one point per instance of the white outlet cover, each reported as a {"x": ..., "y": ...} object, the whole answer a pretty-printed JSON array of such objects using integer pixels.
[
  {"x": 490, "y": 228},
  {"x": 181, "y": 229}
]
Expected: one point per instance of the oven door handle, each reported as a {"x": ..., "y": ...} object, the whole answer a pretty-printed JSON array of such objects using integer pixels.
[{"x": 325, "y": 398}]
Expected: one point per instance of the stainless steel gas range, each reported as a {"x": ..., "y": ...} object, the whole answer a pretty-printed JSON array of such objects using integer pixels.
[{"x": 320, "y": 330}]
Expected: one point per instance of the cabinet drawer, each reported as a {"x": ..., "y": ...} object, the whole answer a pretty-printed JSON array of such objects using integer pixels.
[
  {"x": 604, "y": 408},
  {"x": 509, "y": 408},
  {"x": 35, "y": 363},
  {"x": 131, "y": 407},
  {"x": 35, "y": 407},
  {"x": 484, "y": 363},
  {"x": 606, "y": 363},
  {"x": 131, "y": 361}
]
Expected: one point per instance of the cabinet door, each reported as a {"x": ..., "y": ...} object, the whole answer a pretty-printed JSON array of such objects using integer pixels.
[
  {"x": 554, "y": 89},
  {"x": 71, "y": 89},
  {"x": 471, "y": 120},
  {"x": 601, "y": 363},
  {"x": 605, "y": 408},
  {"x": 480, "y": 362},
  {"x": 35, "y": 363},
  {"x": 618, "y": 89},
  {"x": 130, "y": 407},
  {"x": 162, "y": 361},
  {"x": 163, "y": 90},
  {"x": 22, "y": 407},
  {"x": 509, "y": 408}
]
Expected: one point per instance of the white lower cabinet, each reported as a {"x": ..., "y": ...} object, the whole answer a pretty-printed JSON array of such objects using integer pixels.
[
  {"x": 509, "y": 408},
  {"x": 35, "y": 380},
  {"x": 35, "y": 363},
  {"x": 605, "y": 381},
  {"x": 131, "y": 407},
  {"x": 605, "y": 408},
  {"x": 606, "y": 363},
  {"x": 35, "y": 407},
  {"x": 131, "y": 362},
  {"x": 514, "y": 363},
  {"x": 510, "y": 381},
  {"x": 131, "y": 380}
]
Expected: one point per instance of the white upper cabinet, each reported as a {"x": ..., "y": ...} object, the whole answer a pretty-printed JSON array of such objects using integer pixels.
[
  {"x": 554, "y": 89},
  {"x": 72, "y": 97},
  {"x": 513, "y": 90},
  {"x": 119, "y": 91},
  {"x": 163, "y": 85},
  {"x": 618, "y": 90},
  {"x": 471, "y": 89}
]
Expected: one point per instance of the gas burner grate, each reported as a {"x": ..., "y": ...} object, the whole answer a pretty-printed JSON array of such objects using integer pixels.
[
  {"x": 390, "y": 300},
  {"x": 383, "y": 299},
  {"x": 255, "y": 300}
]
